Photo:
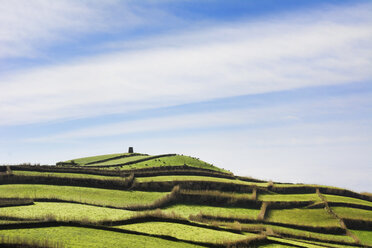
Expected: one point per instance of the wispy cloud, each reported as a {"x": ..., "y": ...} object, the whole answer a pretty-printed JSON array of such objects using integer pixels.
[
  {"x": 28, "y": 27},
  {"x": 256, "y": 57},
  {"x": 339, "y": 108}
]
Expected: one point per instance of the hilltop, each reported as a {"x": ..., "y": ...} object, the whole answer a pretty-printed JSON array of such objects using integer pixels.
[{"x": 170, "y": 200}]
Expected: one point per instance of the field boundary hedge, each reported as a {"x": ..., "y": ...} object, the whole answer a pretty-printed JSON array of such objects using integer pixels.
[
  {"x": 305, "y": 189},
  {"x": 193, "y": 185},
  {"x": 358, "y": 224},
  {"x": 262, "y": 213},
  {"x": 115, "y": 184},
  {"x": 13, "y": 202},
  {"x": 320, "y": 229},
  {"x": 145, "y": 172},
  {"x": 17, "y": 242}
]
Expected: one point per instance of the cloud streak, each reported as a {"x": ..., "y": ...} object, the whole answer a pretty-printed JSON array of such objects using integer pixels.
[
  {"x": 29, "y": 27},
  {"x": 253, "y": 57}
]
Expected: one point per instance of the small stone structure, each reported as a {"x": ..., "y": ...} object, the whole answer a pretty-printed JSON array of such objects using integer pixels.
[{"x": 130, "y": 149}]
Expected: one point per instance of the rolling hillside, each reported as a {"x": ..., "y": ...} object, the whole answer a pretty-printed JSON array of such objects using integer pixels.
[{"x": 170, "y": 200}]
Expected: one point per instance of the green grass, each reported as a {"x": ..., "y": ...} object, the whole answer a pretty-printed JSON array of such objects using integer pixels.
[
  {"x": 87, "y": 237},
  {"x": 304, "y": 217},
  {"x": 302, "y": 233},
  {"x": 337, "y": 198},
  {"x": 177, "y": 160},
  {"x": 296, "y": 243},
  {"x": 326, "y": 244},
  {"x": 85, "y": 160},
  {"x": 186, "y": 210},
  {"x": 274, "y": 246},
  {"x": 121, "y": 160},
  {"x": 185, "y": 232},
  {"x": 65, "y": 212},
  {"x": 65, "y": 175},
  {"x": 288, "y": 197},
  {"x": 353, "y": 213},
  {"x": 196, "y": 178},
  {"x": 103, "y": 197},
  {"x": 364, "y": 236}
]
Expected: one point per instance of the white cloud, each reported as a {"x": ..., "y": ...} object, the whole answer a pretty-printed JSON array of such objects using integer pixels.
[
  {"x": 27, "y": 27},
  {"x": 249, "y": 116},
  {"x": 256, "y": 57}
]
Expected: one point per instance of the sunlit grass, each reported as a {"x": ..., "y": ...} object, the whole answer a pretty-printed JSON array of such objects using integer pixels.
[
  {"x": 65, "y": 212},
  {"x": 186, "y": 210},
  {"x": 93, "y": 238},
  {"x": 105, "y": 197},
  {"x": 353, "y": 213},
  {"x": 305, "y": 217},
  {"x": 185, "y": 232}
]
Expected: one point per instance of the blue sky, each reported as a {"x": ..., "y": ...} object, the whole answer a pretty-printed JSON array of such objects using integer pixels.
[{"x": 277, "y": 90}]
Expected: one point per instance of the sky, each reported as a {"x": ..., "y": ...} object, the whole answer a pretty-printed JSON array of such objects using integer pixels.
[{"x": 273, "y": 89}]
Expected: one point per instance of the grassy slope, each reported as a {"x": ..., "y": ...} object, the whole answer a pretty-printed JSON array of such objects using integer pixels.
[
  {"x": 302, "y": 233},
  {"x": 121, "y": 160},
  {"x": 306, "y": 217},
  {"x": 87, "y": 237},
  {"x": 177, "y": 160},
  {"x": 186, "y": 210},
  {"x": 364, "y": 236},
  {"x": 289, "y": 197},
  {"x": 85, "y": 160},
  {"x": 196, "y": 178},
  {"x": 65, "y": 212},
  {"x": 337, "y": 198},
  {"x": 107, "y": 197},
  {"x": 79, "y": 212},
  {"x": 185, "y": 232},
  {"x": 353, "y": 213}
]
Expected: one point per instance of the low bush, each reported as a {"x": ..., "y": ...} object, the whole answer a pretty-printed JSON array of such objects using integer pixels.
[{"x": 16, "y": 241}]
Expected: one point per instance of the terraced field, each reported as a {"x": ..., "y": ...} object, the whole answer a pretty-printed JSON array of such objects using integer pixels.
[{"x": 138, "y": 200}]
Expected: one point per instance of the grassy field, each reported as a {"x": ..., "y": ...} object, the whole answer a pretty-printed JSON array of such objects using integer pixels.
[
  {"x": 289, "y": 197},
  {"x": 185, "y": 232},
  {"x": 85, "y": 160},
  {"x": 121, "y": 160},
  {"x": 102, "y": 197},
  {"x": 186, "y": 210},
  {"x": 295, "y": 243},
  {"x": 337, "y": 198},
  {"x": 364, "y": 236},
  {"x": 197, "y": 178},
  {"x": 213, "y": 201},
  {"x": 178, "y": 160},
  {"x": 65, "y": 212},
  {"x": 87, "y": 237},
  {"x": 303, "y": 217},
  {"x": 307, "y": 234},
  {"x": 353, "y": 213}
]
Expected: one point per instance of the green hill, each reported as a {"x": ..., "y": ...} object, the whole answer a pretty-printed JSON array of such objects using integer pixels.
[{"x": 170, "y": 200}]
